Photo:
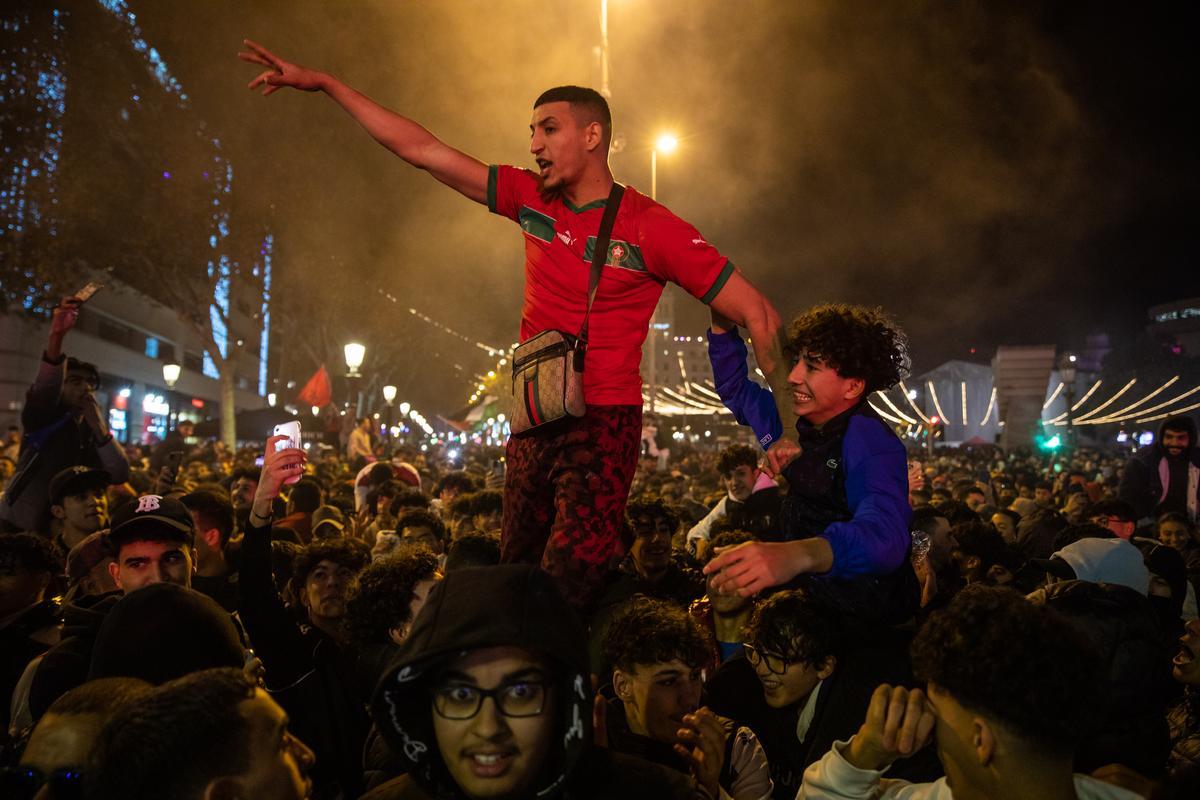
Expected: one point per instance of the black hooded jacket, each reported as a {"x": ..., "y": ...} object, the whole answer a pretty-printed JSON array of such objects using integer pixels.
[
  {"x": 507, "y": 605},
  {"x": 1123, "y": 626},
  {"x": 65, "y": 666},
  {"x": 1141, "y": 484}
]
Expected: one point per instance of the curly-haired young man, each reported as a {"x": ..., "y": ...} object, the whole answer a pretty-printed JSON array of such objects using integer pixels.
[
  {"x": 846, "y": 513},
  {"x": 659, "y": 654},
  {"x": 1010, "y": 688}
]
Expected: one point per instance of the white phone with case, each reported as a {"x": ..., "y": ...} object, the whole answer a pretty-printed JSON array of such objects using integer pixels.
[{"x": 292, "y": 431}]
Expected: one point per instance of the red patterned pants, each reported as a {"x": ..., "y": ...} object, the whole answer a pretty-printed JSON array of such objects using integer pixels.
[{"x": 565, "y": 489}]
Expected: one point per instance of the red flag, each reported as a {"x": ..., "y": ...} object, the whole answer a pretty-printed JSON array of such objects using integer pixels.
[{"x": 317, "y": 392}]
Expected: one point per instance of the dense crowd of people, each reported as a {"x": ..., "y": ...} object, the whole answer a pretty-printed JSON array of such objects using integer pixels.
[
  {"x": 817, "y": 613},
  {"x": 177, "y": 621}
]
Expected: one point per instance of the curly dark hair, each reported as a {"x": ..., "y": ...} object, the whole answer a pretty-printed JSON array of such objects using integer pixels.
[
  {"x": 652, "y": 509},
  {"x": 344, "y": 552},
  {"x": 796, "y": 626},
  {"x": 735, "y": 456},
  {"x": 473, "y": 550},
  {"x": 980, "y": 539},
  {"x": 488, "y": 501},
  {"x": 27, "y": 552},
  {"x": 1019, "y": 664},
  {"x": 857, "y": 341},
  {"x": 461, "y": 481},
  {"x": 422, "y": 518},
  {"x": 729, "y": 537},
  {"x": 408, "y": 498},
  {"x": 379, "y": 600},
  {"x": 647, "y": 631}
]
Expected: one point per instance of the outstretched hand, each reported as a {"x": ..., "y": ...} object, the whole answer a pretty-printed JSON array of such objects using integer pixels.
[
  {"x": 279, "y": 73},
  {"x": 751, "y": 567}
]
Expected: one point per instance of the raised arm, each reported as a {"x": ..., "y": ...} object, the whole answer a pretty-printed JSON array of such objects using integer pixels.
[
  {"x": 744, "y": 305},
  {"x": 397, "y": 133}
]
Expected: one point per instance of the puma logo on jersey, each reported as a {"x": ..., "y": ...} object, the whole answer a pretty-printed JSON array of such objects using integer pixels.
[
  {"x": 566, "y": 238},
  {"x": 700, "y": 242}
]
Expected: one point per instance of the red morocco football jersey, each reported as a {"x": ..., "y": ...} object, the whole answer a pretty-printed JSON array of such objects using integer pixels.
[{"x": 649, "y": 247}]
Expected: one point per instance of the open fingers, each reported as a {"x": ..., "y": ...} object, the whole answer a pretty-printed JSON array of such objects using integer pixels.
[
  {"x": 914, "y": 709},
  {"x": 263, "y": 52},
  {"x": 925, "y": 728},
  {"x": 253, "y": 58},
  {"x": 895, "y": 716},
  {"x": 260, "y": 79},
  {"x": 877, "y": 710}
]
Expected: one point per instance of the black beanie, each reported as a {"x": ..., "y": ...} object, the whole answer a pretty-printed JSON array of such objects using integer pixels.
[{"x": 162, "y": 632}]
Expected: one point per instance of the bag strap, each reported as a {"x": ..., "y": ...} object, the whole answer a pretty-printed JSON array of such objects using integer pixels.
[{"x": 599, "y": 256}]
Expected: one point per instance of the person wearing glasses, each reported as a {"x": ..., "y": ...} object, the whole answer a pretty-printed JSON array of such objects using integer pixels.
[
  {"x": 805, "y": 683},
  {"x": 490, "y": 696},
  {"x": 55, "y": 759},
  {"x": 64, "y": 427}
]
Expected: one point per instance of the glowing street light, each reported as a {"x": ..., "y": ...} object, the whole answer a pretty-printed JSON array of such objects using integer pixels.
[
  {"x": 665, "y": 144},
  {"x": 389, "y": 394},
  {"x": 355, "y": 353},
  {"x": 404, "y": 409},
  {"x": 171, "y": 374}
]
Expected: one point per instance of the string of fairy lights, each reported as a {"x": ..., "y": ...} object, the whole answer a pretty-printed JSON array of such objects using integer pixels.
[{"x": 691, "y": 397}]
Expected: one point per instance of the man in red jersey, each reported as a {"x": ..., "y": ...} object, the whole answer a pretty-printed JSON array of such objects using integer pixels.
[{"x": 566, "y": 484}]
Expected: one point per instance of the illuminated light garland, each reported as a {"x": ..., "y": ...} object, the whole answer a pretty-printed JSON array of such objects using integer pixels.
[
  {"x": 1122, "y": 416},
  {"x": 680, "y": 398},
  {"x": 1164, "y": 415},
  {"x": 991, "y": 405},
  {"x": 1078, "y": 403},
  {"x": 884, "y": 414},
  {"x": 1107, "y": 402},
  {"x": 913, "y": 403},
  {"x": 937, "y": 405},
  {"x": 491, "y": 350},
  {"x": 963, "y": 387},
  {"x": 902, "y": 416},
  {"x": 1166, "y": 403},
  {"x": 1114, "y": 416},
  {"x": 704, "y": 390},
  {"x": 1053, "y": 395}
]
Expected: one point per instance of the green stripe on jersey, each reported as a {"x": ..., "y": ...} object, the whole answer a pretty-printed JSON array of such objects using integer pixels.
[
  {"x": 493, "y": 176},
  {"x": 620, "y": 254},
  {"x": 536, "y": 224},
  {"x": 719, "y": 283}
]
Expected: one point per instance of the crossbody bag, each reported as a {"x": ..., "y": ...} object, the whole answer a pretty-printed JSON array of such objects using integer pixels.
[{"x": 547, "y": 369}]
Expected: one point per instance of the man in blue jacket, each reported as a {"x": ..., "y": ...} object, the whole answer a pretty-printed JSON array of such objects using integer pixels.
[{"x": 846, "y": 514}]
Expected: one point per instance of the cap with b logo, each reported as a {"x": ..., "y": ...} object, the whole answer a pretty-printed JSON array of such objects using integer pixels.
[
  {"x": 152, "y": 516},
  {"x": 76, "y": 480}
]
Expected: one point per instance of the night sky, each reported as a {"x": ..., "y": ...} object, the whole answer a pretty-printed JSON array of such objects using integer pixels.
[{"x": 992, "y": 173}]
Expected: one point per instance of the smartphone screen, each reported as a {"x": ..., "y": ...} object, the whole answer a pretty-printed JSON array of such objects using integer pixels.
[{"x": 85, "y": 294}]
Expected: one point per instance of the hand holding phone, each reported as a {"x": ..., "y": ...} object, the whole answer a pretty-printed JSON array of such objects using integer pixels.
[
  {"x": 292, "y": 431},
  {"x": 89, "y": 289}
]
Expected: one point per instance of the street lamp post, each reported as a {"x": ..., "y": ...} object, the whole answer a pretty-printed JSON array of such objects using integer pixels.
[
  {"x": 355, "y": 355},
  {"x": 170, "y": 374},
  {"x": 389, "y": 396},
  {"x": 1066, "y": 373},
  {"x": 667, "y": 144}
]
